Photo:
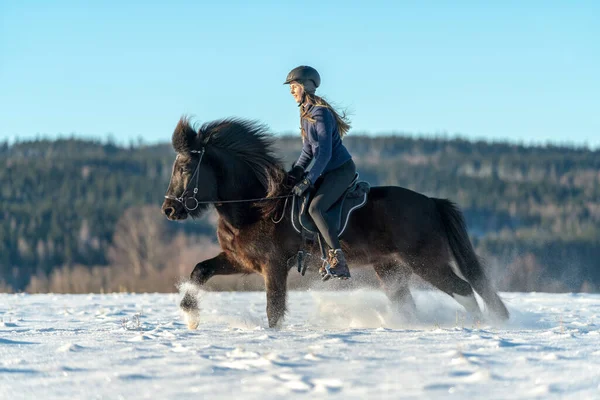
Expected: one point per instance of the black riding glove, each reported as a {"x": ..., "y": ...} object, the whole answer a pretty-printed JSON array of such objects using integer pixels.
[
  {"x": 295, "y": 175},
  {"x": 304, "y": 186}
]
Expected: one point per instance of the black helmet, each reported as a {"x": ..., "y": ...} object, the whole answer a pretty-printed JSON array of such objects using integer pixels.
[{"x": 302, "y": 74}]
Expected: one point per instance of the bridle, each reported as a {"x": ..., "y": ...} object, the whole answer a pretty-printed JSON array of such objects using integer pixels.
[
  {"x": 185, "y": 198},
  {"x": 191, "y": 203}
]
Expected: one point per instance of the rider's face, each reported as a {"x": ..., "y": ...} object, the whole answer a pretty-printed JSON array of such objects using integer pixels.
[{"x": 297, "y": 91}]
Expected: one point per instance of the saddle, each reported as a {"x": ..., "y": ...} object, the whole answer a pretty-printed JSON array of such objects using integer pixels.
[{"x": 352, "y": 199}]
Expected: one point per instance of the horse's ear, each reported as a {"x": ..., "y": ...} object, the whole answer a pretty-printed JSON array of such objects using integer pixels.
[{"x": 184, "y": 137}]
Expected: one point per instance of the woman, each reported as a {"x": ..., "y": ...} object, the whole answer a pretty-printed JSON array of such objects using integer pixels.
[{"x": 332, "y": 169}]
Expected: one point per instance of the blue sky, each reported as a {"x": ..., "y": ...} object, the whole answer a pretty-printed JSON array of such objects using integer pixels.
[{"x": 499, "y": 71}]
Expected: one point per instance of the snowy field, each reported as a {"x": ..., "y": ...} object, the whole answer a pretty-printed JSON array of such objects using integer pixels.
[{"x": 335, "y": 345}]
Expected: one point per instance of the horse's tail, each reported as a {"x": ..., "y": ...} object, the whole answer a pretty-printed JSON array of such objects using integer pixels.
[{"x": 468, "y": 263}]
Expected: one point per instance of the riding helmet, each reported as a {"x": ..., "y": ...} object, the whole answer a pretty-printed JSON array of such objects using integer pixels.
[{"x": 303, "y": 74}]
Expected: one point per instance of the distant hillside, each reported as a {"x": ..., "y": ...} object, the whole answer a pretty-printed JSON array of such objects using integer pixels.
[{"x": 533, "y": 212}]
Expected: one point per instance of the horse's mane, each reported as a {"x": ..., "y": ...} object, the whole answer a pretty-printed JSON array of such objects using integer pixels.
[{"x": 248, "y": 141}]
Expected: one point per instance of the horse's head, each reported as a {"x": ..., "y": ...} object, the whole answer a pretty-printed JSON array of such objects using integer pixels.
[
  {"x": 192, "y": 178},
  {"x": 223, "y": 161}
]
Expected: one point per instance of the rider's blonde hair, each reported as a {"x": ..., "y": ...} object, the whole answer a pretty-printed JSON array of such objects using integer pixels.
[{"x": 342, "y": 120}]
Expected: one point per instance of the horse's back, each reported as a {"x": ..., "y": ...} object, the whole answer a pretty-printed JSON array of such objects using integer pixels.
[
  {"x": 396, "y": 222},
  {"x": 400, "y": 196},
  {"x": 394, "y": 205}
]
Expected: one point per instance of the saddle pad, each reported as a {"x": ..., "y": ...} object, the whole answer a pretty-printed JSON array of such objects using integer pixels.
[{"x": 353, "y": 198}]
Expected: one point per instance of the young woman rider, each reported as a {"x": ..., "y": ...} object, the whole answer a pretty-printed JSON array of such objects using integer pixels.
[{"x": 332, "y": 170}]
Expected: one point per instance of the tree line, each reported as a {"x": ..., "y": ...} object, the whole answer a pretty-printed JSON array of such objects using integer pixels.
[{"x": 533, "y": 212}]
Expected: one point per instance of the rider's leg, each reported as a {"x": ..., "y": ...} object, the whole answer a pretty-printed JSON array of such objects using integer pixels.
[
  {"x": 332, "y": 187},
  {"x": 330, "y": 190}
]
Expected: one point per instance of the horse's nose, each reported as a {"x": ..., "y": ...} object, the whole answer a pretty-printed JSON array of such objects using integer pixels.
[{"x": 169, "y": 211}]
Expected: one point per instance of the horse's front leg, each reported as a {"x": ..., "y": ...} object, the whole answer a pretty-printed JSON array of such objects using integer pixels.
[
  {"x": 275, "y": 276},
  {"x": 219, "y": 265}
]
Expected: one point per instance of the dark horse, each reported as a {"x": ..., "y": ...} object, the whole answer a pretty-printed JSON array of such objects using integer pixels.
[{"x": 398, "y": 231}]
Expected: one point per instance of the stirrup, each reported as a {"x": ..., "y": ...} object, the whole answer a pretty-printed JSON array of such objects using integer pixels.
[{"x": 324, "y": 271}]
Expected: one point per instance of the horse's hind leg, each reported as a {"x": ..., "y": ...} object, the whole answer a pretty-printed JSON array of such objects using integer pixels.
[
  {"x": 448, "y": 282},
  {"x": 395, "y": 279}
]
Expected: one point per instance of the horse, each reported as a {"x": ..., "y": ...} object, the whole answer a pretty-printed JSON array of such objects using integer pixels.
[{"x": 231, "y": 164}]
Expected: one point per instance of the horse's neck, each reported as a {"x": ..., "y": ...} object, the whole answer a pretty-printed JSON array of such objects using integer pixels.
[
  {"x": 239, "y": 184},
  {"x": 237, "y": 215}
]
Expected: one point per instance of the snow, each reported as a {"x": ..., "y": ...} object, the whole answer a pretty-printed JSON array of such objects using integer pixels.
[{"x": 333, "y": 344}]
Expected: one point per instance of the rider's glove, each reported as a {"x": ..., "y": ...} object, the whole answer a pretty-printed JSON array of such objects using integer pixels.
[
  {"x": 302, "y": 187},
  {"x": 295, "y": 175}
]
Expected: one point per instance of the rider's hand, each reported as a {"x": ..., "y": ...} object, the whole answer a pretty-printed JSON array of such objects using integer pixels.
[
  {"x": 302, "y": 187},
  {"x": 295, "y": 175}
]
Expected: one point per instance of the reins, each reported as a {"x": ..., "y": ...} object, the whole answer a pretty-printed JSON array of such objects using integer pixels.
[{"x": 245, "y": 200}]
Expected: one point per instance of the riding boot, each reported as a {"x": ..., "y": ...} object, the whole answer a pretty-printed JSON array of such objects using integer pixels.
[{"x": 338, "y": 267}]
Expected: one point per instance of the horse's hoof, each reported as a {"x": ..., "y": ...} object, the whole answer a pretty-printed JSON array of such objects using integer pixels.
[
  {"x": 191, "y": 311},
  {"x": 192, "y": 319},
  {"x": 192, "y": 325}
]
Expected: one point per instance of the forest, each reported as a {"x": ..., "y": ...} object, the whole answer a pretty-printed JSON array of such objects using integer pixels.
[{"x": 83, "y": 215}]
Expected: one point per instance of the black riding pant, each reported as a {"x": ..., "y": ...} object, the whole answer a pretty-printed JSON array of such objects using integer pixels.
[{"x": 329, "y": 190}]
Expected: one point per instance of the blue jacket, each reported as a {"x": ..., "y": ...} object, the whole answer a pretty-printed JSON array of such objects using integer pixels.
[{"x": 323, "y": 143}]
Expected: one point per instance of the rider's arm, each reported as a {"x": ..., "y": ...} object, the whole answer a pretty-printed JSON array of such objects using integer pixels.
[
  {"x": 306, "y": 155},
  {"x": 322, "y": 138}
]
